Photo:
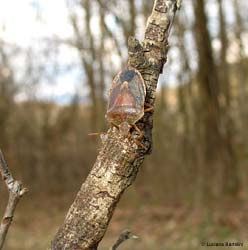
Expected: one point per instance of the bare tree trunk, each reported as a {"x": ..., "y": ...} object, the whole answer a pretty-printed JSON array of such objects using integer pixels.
[
  {"x": 224, "y": 70},
  {"x": 101, "y": 53},
  {"x": 84, "y": 42},
  {"x": 208, "y": 80},
  {"x": 7, "y": 91},
  {"x": 239, "y": 28},
  {"x": 241, "y": 70},
  {"x": 119, "y": 158},
  {"x": 185, "y": 93},
  {"x": 230, "y": 174},
  {"x": 132, "y": 11},
  {"x": 89, "y": 64},
  {"x": 209, "y": 92}
]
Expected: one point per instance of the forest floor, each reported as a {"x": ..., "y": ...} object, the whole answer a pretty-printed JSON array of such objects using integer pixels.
[{"x": 158, "y": 227}]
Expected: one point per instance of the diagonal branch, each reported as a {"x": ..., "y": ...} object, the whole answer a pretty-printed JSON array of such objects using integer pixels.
[
  {"x": 16, "y": 191},
  {"x": 119, "y": 158}
]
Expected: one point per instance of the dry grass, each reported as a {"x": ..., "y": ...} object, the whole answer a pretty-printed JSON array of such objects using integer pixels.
[{"x": 159, "y": 227}]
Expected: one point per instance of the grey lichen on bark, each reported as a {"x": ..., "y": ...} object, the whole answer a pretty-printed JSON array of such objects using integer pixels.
[{"x": 119, "y": 158}]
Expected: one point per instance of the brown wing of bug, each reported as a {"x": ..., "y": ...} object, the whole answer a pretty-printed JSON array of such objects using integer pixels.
[{"x": 126, "y": 97}]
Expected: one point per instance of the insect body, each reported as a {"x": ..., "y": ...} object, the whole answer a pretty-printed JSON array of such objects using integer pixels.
[{"x": 127, "y": 100}]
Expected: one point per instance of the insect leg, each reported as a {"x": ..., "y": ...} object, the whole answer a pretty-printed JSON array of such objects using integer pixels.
[
  {"x": 136, "y": 140},
  {"x": 140, "y": 144},
  {"x": 113, "y": 125},
  {"x": 100, "y": 133},
  {"x": 139, "y": 131},
  {"x": 97, "y": 133},
  {"x": 149, "y": 107}
]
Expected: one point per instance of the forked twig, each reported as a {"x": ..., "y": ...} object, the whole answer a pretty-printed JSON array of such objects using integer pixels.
[{"x": 16, "y": 191}]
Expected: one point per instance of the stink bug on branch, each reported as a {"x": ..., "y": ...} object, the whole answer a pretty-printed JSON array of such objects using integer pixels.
[{"x": 127, "y": 101}]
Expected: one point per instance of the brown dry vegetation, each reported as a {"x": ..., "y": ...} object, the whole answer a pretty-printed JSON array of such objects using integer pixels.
[
  {"x": 192, "y": 188},
  {"x": 159, "y": 227}
]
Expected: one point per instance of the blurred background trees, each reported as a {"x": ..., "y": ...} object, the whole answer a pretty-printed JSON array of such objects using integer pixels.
[
  {"x": 200, "y": 150},
  {"x": 200, "y": 140}
]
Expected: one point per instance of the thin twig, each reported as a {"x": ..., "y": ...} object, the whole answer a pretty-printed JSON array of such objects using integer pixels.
[
  {"x": 16, "y": 191},
  {"x": 125, "y": 235}
]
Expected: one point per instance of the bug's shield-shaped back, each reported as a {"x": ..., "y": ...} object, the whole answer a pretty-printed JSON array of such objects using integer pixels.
[
  {"x": 126, "y": 97},
  {"x": 128, "y": 89}
]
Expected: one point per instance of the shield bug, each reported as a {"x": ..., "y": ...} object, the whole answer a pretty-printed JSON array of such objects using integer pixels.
[{"x": 127, "y": 100}]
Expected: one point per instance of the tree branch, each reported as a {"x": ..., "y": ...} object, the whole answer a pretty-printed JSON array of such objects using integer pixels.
[
  {"x": 125, "y": 235},
  {"x": 16, "y": 191},
  {"x": 119, "y": 158}
]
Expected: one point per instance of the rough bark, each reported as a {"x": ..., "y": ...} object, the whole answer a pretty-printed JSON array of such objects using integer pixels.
[{"x": 119, "y": 158}]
